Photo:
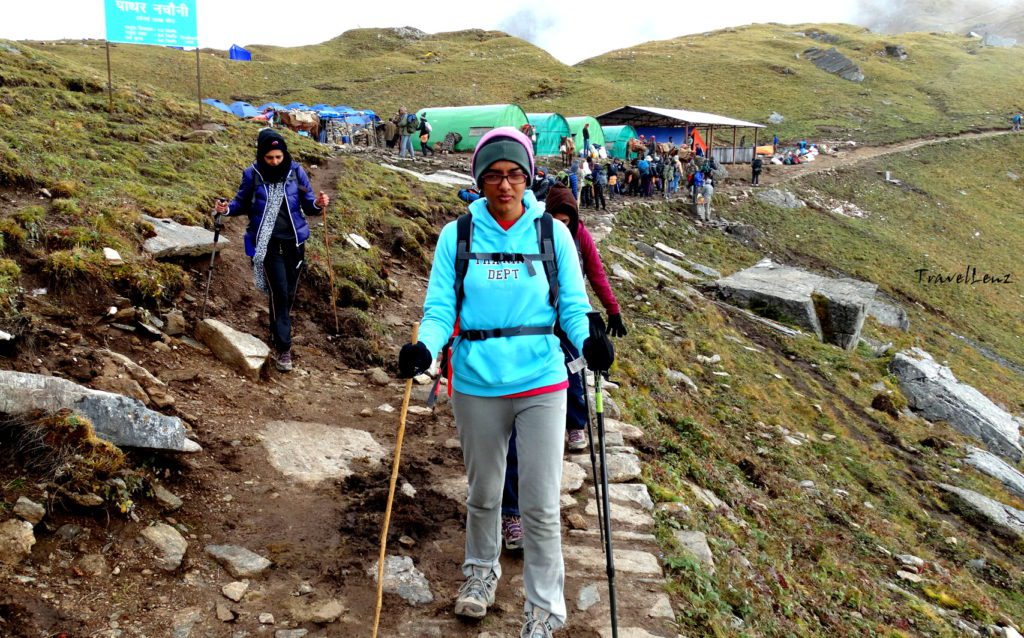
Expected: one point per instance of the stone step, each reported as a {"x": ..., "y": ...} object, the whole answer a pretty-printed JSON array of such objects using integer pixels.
[
  {"x": 627, "y": 561},
  {"x": 623, "y": 515},
  {"x": 622, "y": 467},
  {"x": 618, "y": 536},
  {"x": 629, "y": 432},
  {"x": 633, "y": 493}
]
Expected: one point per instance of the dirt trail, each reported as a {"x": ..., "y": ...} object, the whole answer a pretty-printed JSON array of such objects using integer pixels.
[{"x": 851, "y": 156}]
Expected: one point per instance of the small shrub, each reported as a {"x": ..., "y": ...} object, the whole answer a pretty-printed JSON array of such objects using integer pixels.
[
  {"x": 65, "y": 206},
  {"x": 150, "y": 282},
  {"x": 10, "y": 274},
  {"x": 68, "y": 268}
]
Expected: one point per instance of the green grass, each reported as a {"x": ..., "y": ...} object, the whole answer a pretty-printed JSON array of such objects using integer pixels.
[{"x": 949, "y": 83}]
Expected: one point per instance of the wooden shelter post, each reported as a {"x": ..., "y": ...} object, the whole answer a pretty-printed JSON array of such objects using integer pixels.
[{"x": 734, "y": 145}]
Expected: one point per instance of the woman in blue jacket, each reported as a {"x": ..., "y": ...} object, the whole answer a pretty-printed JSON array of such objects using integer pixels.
[
  {"x": 508, "y": 371},
  {"x": 274, "y": 193}
]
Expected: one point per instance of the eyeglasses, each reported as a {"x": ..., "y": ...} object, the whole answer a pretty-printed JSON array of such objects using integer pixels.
[{"x": 493, "y": 179}]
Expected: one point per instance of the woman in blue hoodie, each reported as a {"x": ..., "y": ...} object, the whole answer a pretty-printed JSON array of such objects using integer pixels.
[
  {"x": 274, "y": 193},
  {"x": 508, "y": 371}
]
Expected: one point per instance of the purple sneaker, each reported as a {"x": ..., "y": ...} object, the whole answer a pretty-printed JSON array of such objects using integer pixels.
[
  {"x": 283, "y": 361},
  {"x": 512, "y": 532},
  {"x": 577, "y": 441}
]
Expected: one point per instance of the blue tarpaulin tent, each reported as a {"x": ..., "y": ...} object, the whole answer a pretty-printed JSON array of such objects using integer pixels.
[
  {"x": 297, "y": 105},
  {"x": 244, "y": 109},
  {"x": 218, "y": 105},
  {"x": 238, "y": 53},
  {"x": 271, "y": 105}
]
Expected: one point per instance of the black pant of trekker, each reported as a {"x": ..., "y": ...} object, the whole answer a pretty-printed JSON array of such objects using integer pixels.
[{"x": 283, "y": 265}]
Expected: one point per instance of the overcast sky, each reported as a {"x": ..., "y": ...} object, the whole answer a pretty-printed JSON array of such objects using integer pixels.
[{"x": 570, "y": 31}]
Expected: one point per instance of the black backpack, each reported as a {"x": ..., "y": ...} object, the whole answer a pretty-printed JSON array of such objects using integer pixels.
[{"x": 463, "y": 242}]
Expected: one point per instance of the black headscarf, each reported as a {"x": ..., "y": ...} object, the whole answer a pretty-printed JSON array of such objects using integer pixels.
[{"x": 271, "y": 140}]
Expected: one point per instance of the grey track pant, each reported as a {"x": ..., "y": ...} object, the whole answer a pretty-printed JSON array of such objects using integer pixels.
[{"x": 485, "y": 424}]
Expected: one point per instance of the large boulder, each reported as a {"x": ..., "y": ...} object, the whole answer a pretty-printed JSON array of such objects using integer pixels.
[
  {"x": 985, "y": 512},
  {"x": 401, "y": 577},
  {"x": 934, "y": 393},
  {"x": 997, "y": 468},
  {"x": 119, "y": 419},
  {"x": 780, "y": 198},
  {"x": 833, "y": 309},
  {"x": 832, "y": 61},
  {"x": 177, "y": 240},
  {"x": 242, "y": 351}
]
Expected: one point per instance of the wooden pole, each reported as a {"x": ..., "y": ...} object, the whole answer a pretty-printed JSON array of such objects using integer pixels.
[
  {"x": 199, "y": 88},
  {"x": 734, "y": 146},
  {"x": 391, "y": 490},
  {"x": 110, "y": 82},
  {"x": 755, "y": 143},
  {"x": 711, "y": 141},
  {"x": 330, "y": 270}
]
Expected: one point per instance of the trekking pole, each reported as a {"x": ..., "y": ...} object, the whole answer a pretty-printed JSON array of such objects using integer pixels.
[
  {"x": 217, "y": 225},
  {"x": 593, "y": 458},
  {"x": 330, "y": 271},
  {"x": 391, "y": 490},
  {"x": 597, "y": 331}
]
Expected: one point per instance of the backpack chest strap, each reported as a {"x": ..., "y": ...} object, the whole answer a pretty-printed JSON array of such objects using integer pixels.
[{"x": 509, "y": 258}]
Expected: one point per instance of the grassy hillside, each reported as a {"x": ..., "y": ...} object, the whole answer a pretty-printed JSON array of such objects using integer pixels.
[
  {"x": 948, "y": 84},
  {"x": 105, "y": 170},
  {"x": 800, "y": 559}
]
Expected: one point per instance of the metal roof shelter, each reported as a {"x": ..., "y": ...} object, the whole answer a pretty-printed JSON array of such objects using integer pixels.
[{"x": 642, "y": 117}]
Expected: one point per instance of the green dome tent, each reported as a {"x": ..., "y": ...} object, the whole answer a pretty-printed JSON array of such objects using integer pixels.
[
  {"x": 616, "y": 138},
  {"x": 576, "y": 124},
  {"x": 551, "y": 128},
  {"x": 471, "y": 122}
]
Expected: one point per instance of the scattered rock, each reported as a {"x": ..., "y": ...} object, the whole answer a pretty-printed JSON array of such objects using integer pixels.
[
  {"x": 378, "y": 377},
  {"x": 177, "y": 240},
  {"x": 696, "y": 543},
  {"x": 327, "y": 612},
  {"x": 401, "y": 577},
  {"x": 238, "y": 561},
  {"x": 1013, "y": 176},
  {"x": 112, "y": 257},
  {"x": 896, "y": 51},
  {"x": 184, "y": 620},
  {"x": 576, "y": 521},
  {"x": 175, "y": 323},
  {"x": 93, "y": 565},
  {"x": 573, "y": 476},
  {"x": 386, "y": 408},
  {"x": 588, "y": 597},
  {"x": 909, "y": 576},
  {"x": 16, "y": 541},
  {"x": 662, "y": 608},
  {"x": 910, "y": 560},
  {"x": 835, "y": 62},
  {"x": 236, "y": 590},
  {"x": 169, "y": 542},
  {"x": 622, "y": 467},
  {"x": 242, "y": 351},
  {"x": 676, "y": 378},
  {"x": 621, "y": 273},
  {"x": 163, "y": 496},
  {"x": 776, "y": 118},
  {"x": 29, "y": 510},
  {"x": 121, "y": 420},
  {"x": 357, "y": 241},
  {"x": 313, "y": 452},
  {"x": 934, "y": 393},
  {"x": 627, "y": 561},
  {"x": 780, "y": 198},
  {"x": 224, "y": 613},
  {"x": 290, "y": 633},
  {"x": 266, "y": 618}
]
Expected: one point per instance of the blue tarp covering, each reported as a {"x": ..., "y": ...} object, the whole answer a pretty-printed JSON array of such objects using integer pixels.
[
  {"x": 244, "y": 109},
  {"x": 218, "y": 104},
  {"x": 238, "y": 53},
  {"x": 297, "y": 105},
  {"x": 341, "y": 108},
  {"x": 270, "y": 105}
]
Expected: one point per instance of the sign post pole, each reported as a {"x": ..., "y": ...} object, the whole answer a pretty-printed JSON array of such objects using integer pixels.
[
  {"x": 199, "y": 89},
  {"x": 110, "y": 82}
]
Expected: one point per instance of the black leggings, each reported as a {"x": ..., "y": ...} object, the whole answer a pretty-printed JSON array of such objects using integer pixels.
[{"x": 283, "y": 265}]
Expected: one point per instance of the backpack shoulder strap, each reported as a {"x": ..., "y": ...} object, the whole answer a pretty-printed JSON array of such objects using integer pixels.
[
  {"x": 463, "y": 243},
  {"x": 546, "y": 239}
]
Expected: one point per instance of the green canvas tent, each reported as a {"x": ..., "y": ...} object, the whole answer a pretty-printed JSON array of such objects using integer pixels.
[
  {"x": 576, "y": 124},
  {"x": 551, "y": 128},
  {"x": 616, "y": 138},
  {"x": 471, "y": 122}
]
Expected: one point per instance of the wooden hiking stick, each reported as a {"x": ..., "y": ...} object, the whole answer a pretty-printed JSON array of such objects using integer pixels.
[
  {"x": 391, "y": 490},
  {"x": 330, "y": 271}
]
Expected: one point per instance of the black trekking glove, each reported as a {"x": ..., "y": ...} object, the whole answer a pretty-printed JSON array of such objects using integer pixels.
[
  {"x": 599, "y": 353},
  {"x": 413, "y": 359},
  {"x": 615, "y": 326}
]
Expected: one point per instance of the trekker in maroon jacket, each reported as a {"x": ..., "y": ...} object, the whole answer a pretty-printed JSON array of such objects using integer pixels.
[{"x": 562, "y": 206}]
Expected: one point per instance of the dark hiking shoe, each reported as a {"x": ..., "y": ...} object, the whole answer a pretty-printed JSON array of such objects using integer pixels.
[
  {"x": 512, "y": 532},
  {"x": 283, "y": 361},
  {"x": 536, "y": 625},
  {"x": 577, "y": 441},
  {"x": 476, "y": 594}
]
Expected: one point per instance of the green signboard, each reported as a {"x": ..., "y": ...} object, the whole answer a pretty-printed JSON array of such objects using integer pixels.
[{"x": 169, "y": 24}]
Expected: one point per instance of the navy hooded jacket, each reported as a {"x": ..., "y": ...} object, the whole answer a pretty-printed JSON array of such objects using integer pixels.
[{"x": 251, "y": 200}]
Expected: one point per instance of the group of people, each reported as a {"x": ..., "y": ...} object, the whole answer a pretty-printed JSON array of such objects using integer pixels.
[
  {"x": 507, "y": 307},
  {"x": 409, "y": 126}
]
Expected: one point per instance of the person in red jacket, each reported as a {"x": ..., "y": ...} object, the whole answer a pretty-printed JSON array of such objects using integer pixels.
[{"x": 561, "y": 204}]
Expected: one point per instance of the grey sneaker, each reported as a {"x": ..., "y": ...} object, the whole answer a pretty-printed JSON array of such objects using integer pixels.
[
  {"x": 536, "y": 625},
  {"x": 577, "y": 441},
  {"x": 476, "y": 594},
  {"x": 283, "y": 361}
]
